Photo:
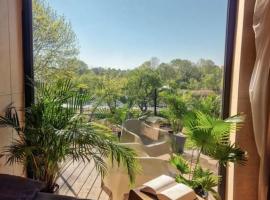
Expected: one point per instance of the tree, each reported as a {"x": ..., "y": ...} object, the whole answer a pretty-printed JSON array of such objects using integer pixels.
[
  {"x": 166, "y": 73},
  {"x": 211, "y": 75},
  {"x": 186, "y": 71},
  {"x": 77, "y": 66},
  {"x": 54, "y": 41},
  {"x": 141, "y": 85},
  {"x": 73, "y": 70},
  {"x": 111, "y": 90}
]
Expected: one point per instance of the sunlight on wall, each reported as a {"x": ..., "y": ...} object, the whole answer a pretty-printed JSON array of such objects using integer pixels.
[{"x": 11, "y": 69}]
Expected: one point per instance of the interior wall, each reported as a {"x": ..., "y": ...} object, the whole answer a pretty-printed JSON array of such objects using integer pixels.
[
  {"x": 243, "y": 180},
  {"x": 11, "y": 70}
]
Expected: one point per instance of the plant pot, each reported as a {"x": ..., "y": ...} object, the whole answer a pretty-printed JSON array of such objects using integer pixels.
[
  {"x": 51, "y": 189},
  {"x": 202, "y": 193},
  {"x": 179, "y": 140}
]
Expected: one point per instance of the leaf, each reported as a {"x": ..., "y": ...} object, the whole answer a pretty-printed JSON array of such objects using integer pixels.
[
  {"x": 54, "y": 130},
  {"x": 180, "y": 163}
]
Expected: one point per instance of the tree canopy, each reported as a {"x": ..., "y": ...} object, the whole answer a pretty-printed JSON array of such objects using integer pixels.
[
  {"x": 56, "y": 51},
  {"x": 54, "y": 41}
]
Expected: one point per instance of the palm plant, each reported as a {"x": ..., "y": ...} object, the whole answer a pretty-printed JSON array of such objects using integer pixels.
[
  {"x": 202, "y": 181},
  {"x": 176, "y": 111},
  {"x": 54, "y": 131},
  {"x": 210, "y": 136}
]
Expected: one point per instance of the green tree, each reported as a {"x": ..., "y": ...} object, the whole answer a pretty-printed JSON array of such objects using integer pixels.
[
  {"x": 211, "y": 75},
  {"x": 186, "y": 71},
  {"x": 141, "y": 85},
  {"x": 111, "y": 90},
  {"x": 166, "y": 73},
  {"x": 54, "y": 41}
]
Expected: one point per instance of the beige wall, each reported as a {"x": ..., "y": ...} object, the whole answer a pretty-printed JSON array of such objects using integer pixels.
[
  {"x": 243, "y": 180},
  {"x": 11, "y": 69}
]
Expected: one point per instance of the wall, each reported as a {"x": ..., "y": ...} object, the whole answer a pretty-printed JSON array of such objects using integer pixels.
[
  {"x": 243, "y": 180},
  {"x": 11, "y": 70}
]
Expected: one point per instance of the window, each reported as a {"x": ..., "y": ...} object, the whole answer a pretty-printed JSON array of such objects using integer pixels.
[{"x": 156, "y": 44}]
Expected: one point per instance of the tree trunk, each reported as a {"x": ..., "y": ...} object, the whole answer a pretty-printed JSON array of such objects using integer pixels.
[{"x": 155, "y": 102}]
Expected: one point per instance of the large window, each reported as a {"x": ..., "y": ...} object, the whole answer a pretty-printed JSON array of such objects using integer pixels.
[{"x": 158, "y": 62}]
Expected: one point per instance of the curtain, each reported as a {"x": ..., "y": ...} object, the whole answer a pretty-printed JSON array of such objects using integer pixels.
[{"x": 259, "y": 91}]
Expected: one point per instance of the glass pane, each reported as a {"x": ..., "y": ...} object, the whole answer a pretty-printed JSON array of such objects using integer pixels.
[{"x": 150, "y": 71}]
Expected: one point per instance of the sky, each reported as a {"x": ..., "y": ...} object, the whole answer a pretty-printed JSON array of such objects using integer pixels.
[{"x": 125, "y": 33}]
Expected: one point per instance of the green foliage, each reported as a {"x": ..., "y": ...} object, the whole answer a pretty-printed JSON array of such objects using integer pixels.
[
  {"x": 141, "y": 85},
  {"x": 211, "y": 75},
  {"x": 228, "y": 153},
  {"x": 186, "y": 71},
  {"x": 180, "y": 163},
  {"x": 111, "y": 90},
  {"x": 54, "y": 42},
  {"x": 56, "y": 56},
  {"x": 209, "y": 135},
  {"x": 176, "y": 110},
  {"x": 204, "y": 178},
  {"x": 54, "y": 131},
  {"x": 121, "y": 114},
  {"x": 210, "y": 105},
  {"x": 166, "y": 73},
  {"x": 200, "y": 180}
]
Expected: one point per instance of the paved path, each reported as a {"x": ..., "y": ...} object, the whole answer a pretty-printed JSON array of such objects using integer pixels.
[{"x": 80, "y": 179}]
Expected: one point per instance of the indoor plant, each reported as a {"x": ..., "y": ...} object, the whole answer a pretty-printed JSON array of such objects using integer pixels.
[
  {"x": 54, "y": 130},
  {"x": 210, "y": 136}
]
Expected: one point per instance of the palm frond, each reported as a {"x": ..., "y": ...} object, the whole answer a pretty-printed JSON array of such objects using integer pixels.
[
  {"x": 54, "y": 131},
  {"x": 180, "y": 164},
  {"x": 205, "y": 178},
  {"x": 11, "y": 119},
  {"x": 228, "y": 153}
]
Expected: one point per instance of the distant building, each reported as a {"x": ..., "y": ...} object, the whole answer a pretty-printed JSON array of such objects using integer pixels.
[{"x": 154, "y": 62}]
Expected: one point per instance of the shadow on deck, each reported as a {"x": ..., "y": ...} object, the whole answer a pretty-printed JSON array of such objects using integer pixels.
[{"x": 80, "y": 179}]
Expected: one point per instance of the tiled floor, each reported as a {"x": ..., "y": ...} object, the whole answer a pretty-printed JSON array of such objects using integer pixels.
[{"x": 80, "y": 179}]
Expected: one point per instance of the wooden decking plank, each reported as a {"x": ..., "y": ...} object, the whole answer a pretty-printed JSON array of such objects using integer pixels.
[
  {"x": 91, "y": 191},
  {"x": 90, "y": 181},
  {"x": 67, "y": 171},
  {"x": 71, "y": 179},
  {"x": 77, "y": 183},
  {"x": 67, "y": 174},
  {"x": 104, "y": 196},
  {"x": 65, "y": 165},
  {"x": 91, "y": 169},
  {"x": 81, "y": 180}
]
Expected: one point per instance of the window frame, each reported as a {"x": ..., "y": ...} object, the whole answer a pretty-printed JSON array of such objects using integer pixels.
[{"x": 232, "y": 6}]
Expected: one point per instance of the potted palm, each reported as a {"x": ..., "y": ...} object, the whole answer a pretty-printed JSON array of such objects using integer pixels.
[
  {"x": 176, "y": 110},
  {"x": 55, "y": 130},
  {"x": 209, "y": 136}
]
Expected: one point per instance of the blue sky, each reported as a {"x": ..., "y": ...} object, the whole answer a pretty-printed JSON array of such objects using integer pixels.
[{"x": 125, "y": 33}]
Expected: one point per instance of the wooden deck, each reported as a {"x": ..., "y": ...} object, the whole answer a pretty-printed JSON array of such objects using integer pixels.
[{"x": 80, "y": 179}]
